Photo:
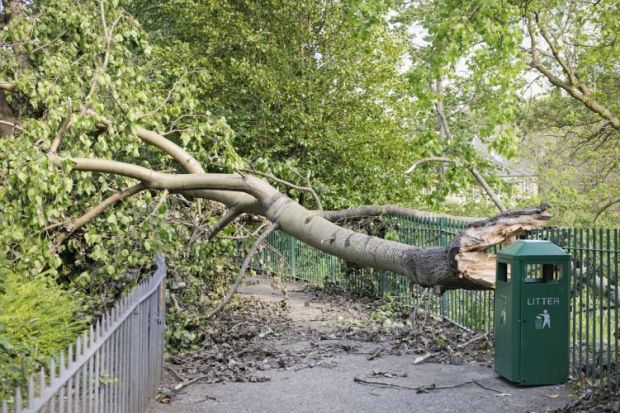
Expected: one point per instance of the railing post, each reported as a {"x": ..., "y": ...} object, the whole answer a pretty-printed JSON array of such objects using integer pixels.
[
  {"x": 442, "y": 232},
  {"x": 293, "y": 256}
]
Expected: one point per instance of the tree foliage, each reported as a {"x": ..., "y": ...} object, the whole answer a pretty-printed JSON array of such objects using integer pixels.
[
  {"x": 311, "y": 88},
  {"x": 492, "y": 55},
  {"x": 153, "y": 106}
]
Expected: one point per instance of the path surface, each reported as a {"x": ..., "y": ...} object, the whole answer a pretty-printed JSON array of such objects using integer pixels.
[{"x": 339, "y": 381}]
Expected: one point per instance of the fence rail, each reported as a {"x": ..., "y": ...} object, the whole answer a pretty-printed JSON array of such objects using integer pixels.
[
  {"x": 595, "y": 295},
  {"x": 113, "y": 367}
]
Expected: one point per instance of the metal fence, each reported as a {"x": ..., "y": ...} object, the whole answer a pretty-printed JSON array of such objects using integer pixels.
[
  {"x": 594, "y": 283},
  {"x": 113, "y": 367}
]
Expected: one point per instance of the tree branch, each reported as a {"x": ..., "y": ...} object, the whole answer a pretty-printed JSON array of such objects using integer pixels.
[
  {"x": 66, "y": 124},
  {"x": 378, "y": 210},
  {"x": 98, "y": 209},
  {"x": 160, "y": 202},
  {"x": 432, "y": 266},
  {"x": 554, "y": 51},
  {"x": 572, "y": 90},
  {"x": 244, "y": 268},
  {"x": 487, "y": 189},
  {"x": 12, "y": 125},
  {"x": 289, "y": 184},
  {"x": 191, "y": 165},
  {"x": 605, "y": 208},
  {"x": 428, "y": 160},
  {"x": 226, "y": 219}
]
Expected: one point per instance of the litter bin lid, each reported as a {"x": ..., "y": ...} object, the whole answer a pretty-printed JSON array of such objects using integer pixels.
[{"x": 532, "y": 248}]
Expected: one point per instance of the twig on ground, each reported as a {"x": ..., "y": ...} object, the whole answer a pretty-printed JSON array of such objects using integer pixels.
[
  {"x": 376, "y": 354},
  {"x": 419, "y": 389},
  {"x": 175, "y": 373},
  {"x": 473, "y": 340},
  {"x": 425, "y": 389},
  {"x": 490, "y": 388},
  {"x": 421, "y": 359},
  {"x": 184, "y": 384}
]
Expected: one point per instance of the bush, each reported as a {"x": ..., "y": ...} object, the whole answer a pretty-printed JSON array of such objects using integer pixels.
[{"x": 38, "y": 319}]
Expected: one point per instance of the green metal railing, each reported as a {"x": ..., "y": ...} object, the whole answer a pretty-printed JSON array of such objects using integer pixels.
[{"x": 594, "y": 283}]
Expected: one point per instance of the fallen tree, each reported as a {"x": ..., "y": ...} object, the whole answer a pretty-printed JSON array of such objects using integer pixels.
[
  {"x": 61, "y": 114},
  {"x": 462, "y": 264}
]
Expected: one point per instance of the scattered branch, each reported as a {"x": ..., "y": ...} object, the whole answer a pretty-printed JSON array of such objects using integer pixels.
[
  {"x": 473, "y": 340},
  {"x": 422, "y": 389},
  {"x": 244, "y": 267},
  {"x": 184, "y": 384}
]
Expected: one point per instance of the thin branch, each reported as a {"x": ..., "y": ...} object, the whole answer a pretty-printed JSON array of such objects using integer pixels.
[
  {"x": 487, "y": 189},
  {"x": 317, "y": 199},
  {"x": 108, "y": 36},
  {"x": 66, "y": 124},
  {"x": 103, "y": 20},
  {"x": 184, "y": 384},
  {"x": 572, "y": 90},
  {"x": 7, "y": 86},
  {"x": 428, "y": 160},
  {"x": 213, "y": 230},
  {"x": 160, "y": 202},
  {"x": 605, "y": 208},
  {"x": 98, "y": 209},
  {"x": 565, "y": 66},
  {"x": 244, "y": 267},
  {"x": 12, "y": 125},
  {"x": 289, "y": 184},
  {"x": 253, "y": 234}
]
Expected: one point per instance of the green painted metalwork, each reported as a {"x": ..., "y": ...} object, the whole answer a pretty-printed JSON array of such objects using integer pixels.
[
  {"x": 531, "y": 319},
  {"x": 594, "y": 318}
]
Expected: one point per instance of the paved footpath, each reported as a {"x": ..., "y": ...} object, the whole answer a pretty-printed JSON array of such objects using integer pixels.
[{"x": 469, "y": 387}]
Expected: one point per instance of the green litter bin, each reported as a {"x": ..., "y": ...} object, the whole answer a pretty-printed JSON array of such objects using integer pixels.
[{"x": 531, "y": 313}]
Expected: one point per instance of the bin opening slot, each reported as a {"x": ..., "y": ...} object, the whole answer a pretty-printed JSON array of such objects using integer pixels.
[
  {"x": 543, "y": 273},
  {"x": 503, "y": 272}
]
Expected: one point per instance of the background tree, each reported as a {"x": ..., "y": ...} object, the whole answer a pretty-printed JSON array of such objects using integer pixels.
[
  {"x": 311, "y": 88},
  {"x": 488, "y": 50}
]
